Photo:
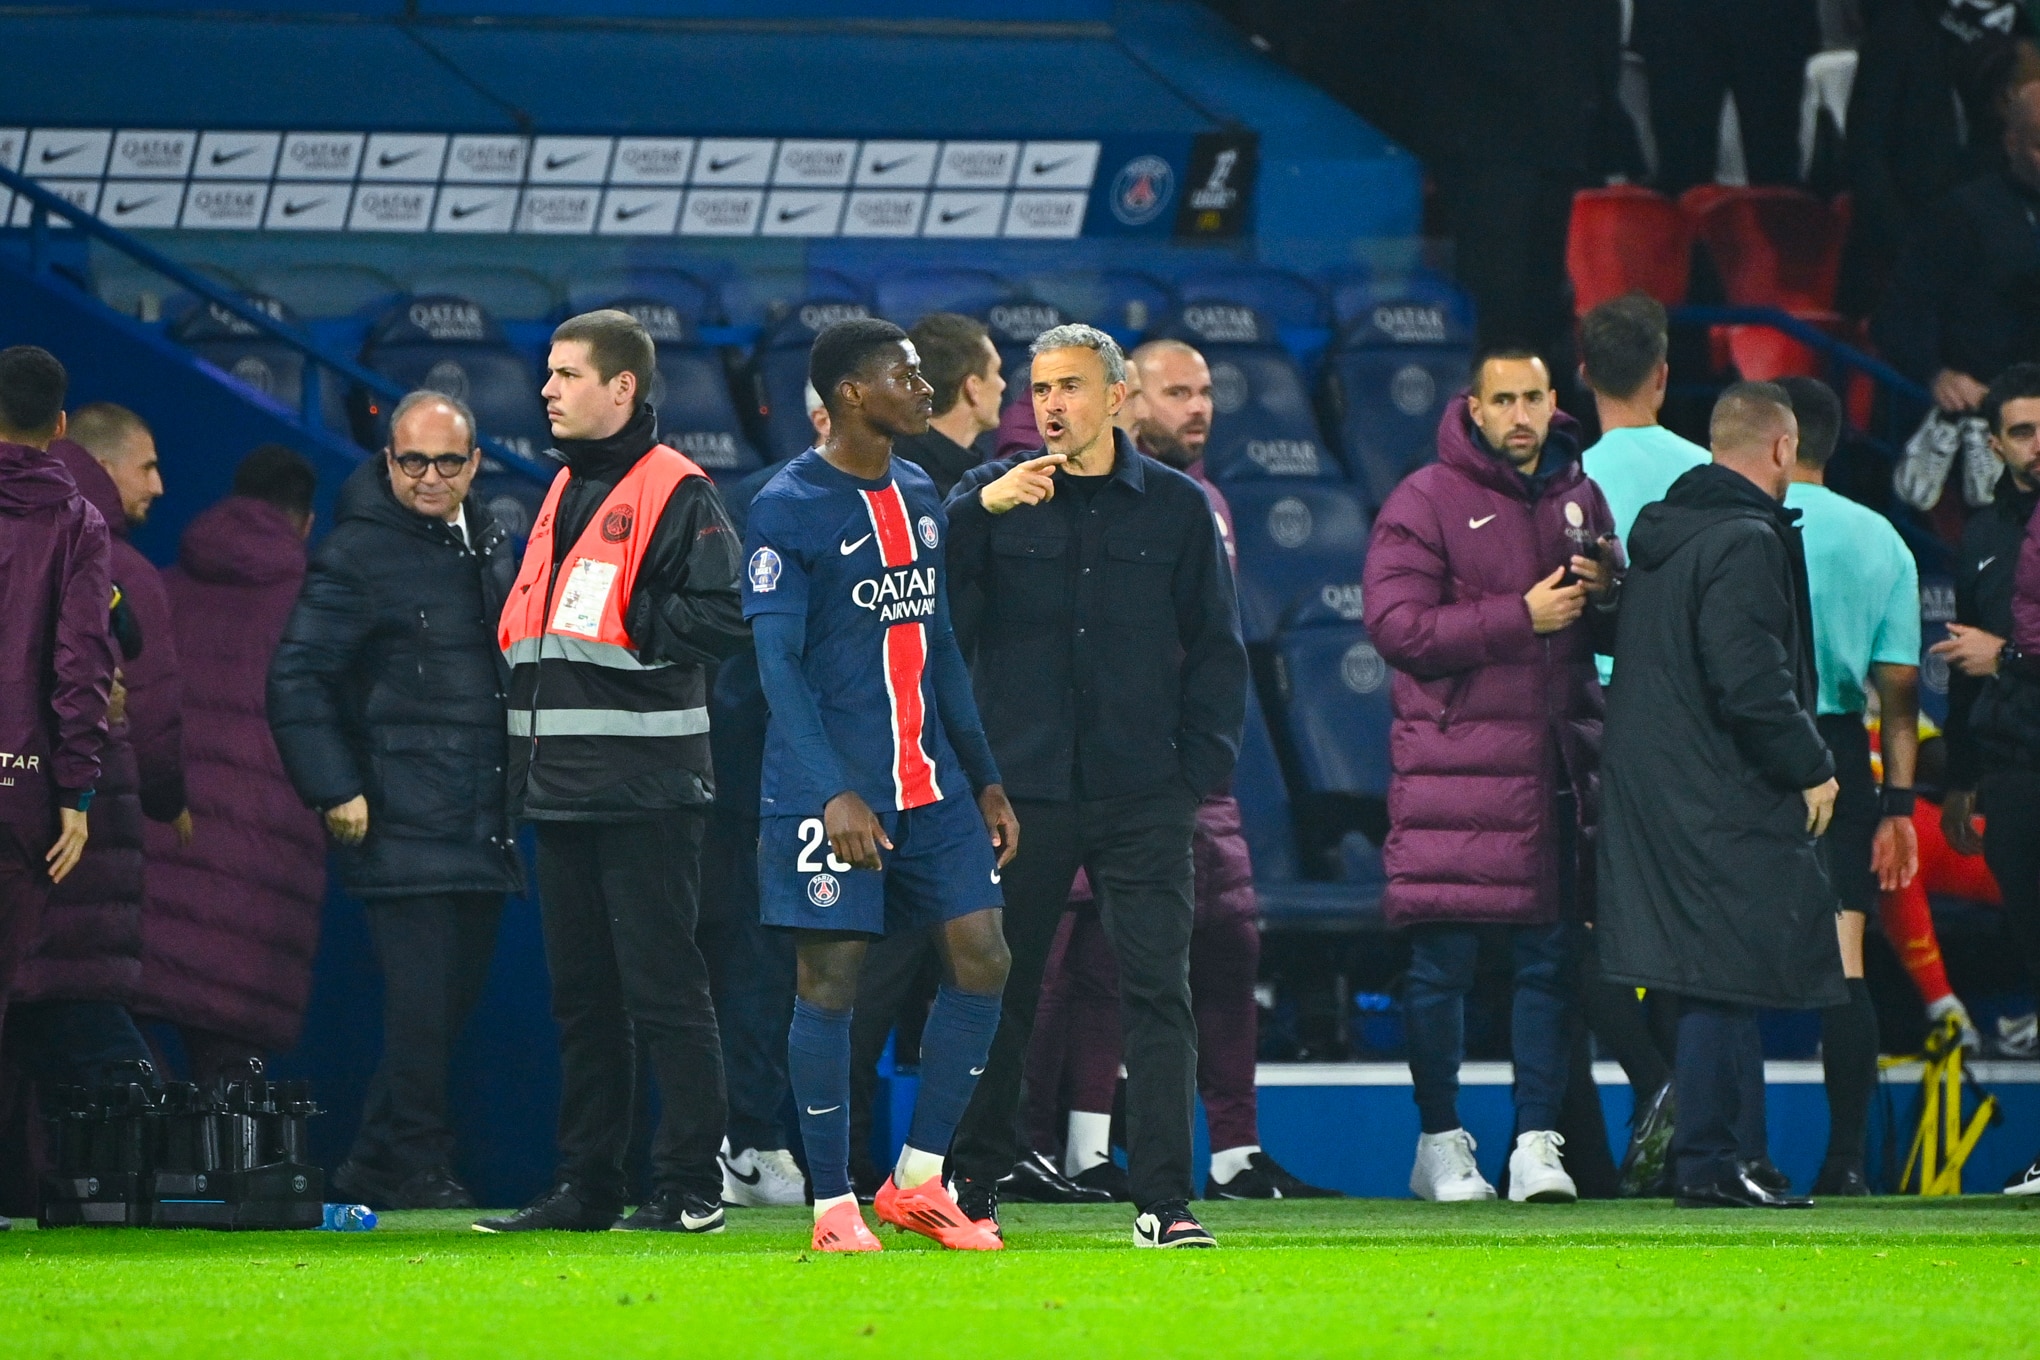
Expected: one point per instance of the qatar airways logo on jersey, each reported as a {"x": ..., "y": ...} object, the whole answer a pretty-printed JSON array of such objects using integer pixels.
[{"x": 904, "y": 593}]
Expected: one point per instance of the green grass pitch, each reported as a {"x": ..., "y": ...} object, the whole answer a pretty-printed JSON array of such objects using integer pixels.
[{"x": 1889, "y": 1277}]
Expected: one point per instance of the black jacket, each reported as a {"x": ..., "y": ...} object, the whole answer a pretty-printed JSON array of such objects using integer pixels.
[
  {"x": 1985, "y": 570},
  {"x": 389, "y": 683},
  {"x": 1966, "y": 293},
  {"x": 942, "y": 458},
  {"x": 1709, "y": 885},
  {"x": 684, "y": 609},
  {"x": 1105, "y": 637}
]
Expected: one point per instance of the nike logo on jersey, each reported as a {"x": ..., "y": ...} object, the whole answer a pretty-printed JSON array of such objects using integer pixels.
[
  {"x": 847, "y": 548},
  {"x": 995, "y": 875},
  {"x": 1476, "y": 523},
  {"x": 1986, "y": 561},
  {"x": 831, "y": 1110},
  {"x": 977, "y": 1071}
]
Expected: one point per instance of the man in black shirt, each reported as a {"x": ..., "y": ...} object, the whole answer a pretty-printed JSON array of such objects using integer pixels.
[
  {"x": 959, "y": 362},
  {"x": 1091, "y": 586},
  {"x": 1983, "y": 772}
]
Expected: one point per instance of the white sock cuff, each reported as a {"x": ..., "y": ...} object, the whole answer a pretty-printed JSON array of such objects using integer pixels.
[
  {"x": 1089, "y": 1143},
  {"x": 1230, "y": 1162}
]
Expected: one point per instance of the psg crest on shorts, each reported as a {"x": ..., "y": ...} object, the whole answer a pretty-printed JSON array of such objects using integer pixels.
[
  {"x": 928, "y": 532},
  {"x": 823, "y": 890},
  {"x": 764, "y": 570}
]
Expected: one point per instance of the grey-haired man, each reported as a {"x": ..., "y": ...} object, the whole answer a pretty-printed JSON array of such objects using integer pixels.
[{"x": 1089, "y": 586}]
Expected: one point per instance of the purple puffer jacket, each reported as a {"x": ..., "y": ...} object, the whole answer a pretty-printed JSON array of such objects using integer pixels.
[
  {"x": 233, "y": 918},
  {"x": 56, "y": 654},
  {"x": 1489, "y": 717},
  {"x": 2026, "y": 593},
  {"x": 89, "y": 947}
]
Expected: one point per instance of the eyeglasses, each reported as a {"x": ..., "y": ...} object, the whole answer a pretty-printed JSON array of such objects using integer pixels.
[{"x": 450, "y": 465}]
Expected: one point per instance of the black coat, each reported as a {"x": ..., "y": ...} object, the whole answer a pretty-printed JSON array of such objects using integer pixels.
[
  {"x": 1710, "y": 886},
  {"x": 389, "y": 683},
  {"x": 1105, "y": 635},
  {"x": 2008, "y": 704},
  {"x": 1966, "y": 293}
]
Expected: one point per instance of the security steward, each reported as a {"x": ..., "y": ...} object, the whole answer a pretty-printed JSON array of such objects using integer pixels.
[{"x": 627, "y": 592}]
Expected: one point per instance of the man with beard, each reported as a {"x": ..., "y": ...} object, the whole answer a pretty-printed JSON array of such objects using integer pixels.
[{"x": 1168, "y": 412}]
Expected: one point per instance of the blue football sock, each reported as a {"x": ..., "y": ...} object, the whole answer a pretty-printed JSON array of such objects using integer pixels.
[
  {"x": 954, "y": 1046},
  {"x": 818, "y": 1064}
]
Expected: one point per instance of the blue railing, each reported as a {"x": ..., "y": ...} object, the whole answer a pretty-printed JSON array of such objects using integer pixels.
[
  {"x": 43, "y": 204},
  {"x": 1838, "y": 353}
]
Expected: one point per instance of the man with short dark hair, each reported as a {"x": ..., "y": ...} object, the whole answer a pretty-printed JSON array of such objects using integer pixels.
[
  {"x": 1486, "y": 586},
  {"x": 1865, "y": 591},
  {"x": 386, "y": 702},
  {"x": 1716, "y": 785},
  {"x": 56, "y": 652},
  {"x": 1091, "y": 585},
  {"x": 962, "y": 366},
  {"x": 627, "y": 593}
]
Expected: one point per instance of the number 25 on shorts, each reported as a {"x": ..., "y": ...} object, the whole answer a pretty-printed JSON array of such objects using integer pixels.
[{"x": 813, "y": 855}]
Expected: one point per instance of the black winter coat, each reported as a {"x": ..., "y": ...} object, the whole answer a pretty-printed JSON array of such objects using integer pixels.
[
  {"x": 1966, "y": 293},
  {"x": 1710, "y": 885},
  {"x": 389, "y": 683}
]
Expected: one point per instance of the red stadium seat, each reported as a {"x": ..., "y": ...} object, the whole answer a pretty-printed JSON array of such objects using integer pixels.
[
  {"x": 1626, "y": 239},
  {"x": 1772, "y": 248}
]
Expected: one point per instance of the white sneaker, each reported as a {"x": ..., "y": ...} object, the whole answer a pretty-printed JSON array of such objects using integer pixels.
[
  {"x": 1972, "y": 1042},
  {"x": 1536, "y": 1176},
  {"x": 762, "y": 1180},
  {"x": 1445, "y": 1170}
]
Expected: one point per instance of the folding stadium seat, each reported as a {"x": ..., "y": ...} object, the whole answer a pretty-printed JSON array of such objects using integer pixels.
[
  {"x": 254, "y": 359},
  {"x": 506, "y": 294},
  {"x": 1772, "y": 247},
  {"x": 1398, "y": 361},
  {"x": 779, "y": 371},
  {"x": 1265, "y": 817},
  {"x": 451, "y": 344},
  {"x": 1262, "y": 424},
  {"x": 764, "y": 297},
  {"x": 1014, "y": 324},
  {"x": 911, "y": 294},
  {"x": 691, "y": 391},
  {"x": 1284, "y": 298},
  {"x": 1335, "y": 708},
  {"x": 1301, "y": 547},
  {"x": 317, "y": 289},
  {"x": 1127, "y": 303},
  {"x": 1627, "y": 239},
  {"x": 693, "y": 298}
]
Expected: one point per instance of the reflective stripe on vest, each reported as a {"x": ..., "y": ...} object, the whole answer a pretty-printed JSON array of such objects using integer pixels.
[{"x": 573, "y": 616}]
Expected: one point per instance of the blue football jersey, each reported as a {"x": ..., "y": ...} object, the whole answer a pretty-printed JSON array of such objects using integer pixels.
[{"x": 862, "y": 562}]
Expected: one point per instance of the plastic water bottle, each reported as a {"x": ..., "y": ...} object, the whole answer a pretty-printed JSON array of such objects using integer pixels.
[{"x": 347, "y": 1218}]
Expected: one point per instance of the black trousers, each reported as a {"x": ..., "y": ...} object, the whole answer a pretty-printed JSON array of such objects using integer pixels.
[
  {"x": 2010, "y": 803},
  {"x": 1693, "y": 51},
  {"x": 435, "y": 953},
  {"x": 618, "y": 903},
  {"x": 1136, "y": 850},
  {"x": 1710, "y": 1083},
  {"x": 750, "y": 975}
]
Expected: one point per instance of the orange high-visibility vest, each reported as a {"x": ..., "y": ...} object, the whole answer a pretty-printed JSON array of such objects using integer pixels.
[{"x": 579, "y": 687}]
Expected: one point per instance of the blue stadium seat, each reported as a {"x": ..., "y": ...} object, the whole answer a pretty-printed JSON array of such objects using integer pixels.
[
  {"x": 1301, "y": 547},
  {"x": 1284, "y": 298},
  {"x": 255, "y": 360},
  {"x": 765, "y": 297},
  {"x": 911, "y": 294},
  {"x": 694, "y": 299},
  {"x": 1262, "y": 424},
  {"x": 779, "y": 371},
  {"x": 691, "y": 392},
  {"x": 1265, "y": 817},
  {"x": 1937, "y": 610},
  {"x": 1014, "y": 323},
  {"x": 451, "y": 344},
  {"x": 1397, "y": 363},
  {"x": 1335, "y": 708},
  {"x": 1123, "y": 301}
]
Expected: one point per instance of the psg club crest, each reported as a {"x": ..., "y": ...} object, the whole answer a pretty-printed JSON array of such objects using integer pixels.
[
  {"x": 823, "y": 890},
  {"x": 764, "y": 571},
  {"x": 928, "y": 532},
  {"x": 616, "y": 524},
  {"x": 1142, "y": 190}
]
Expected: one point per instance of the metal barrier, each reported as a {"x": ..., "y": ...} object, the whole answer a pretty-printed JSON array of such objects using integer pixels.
[{"x": 43, "y": 204}]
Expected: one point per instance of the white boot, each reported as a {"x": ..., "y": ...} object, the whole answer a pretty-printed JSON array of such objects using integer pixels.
[
  {"x": 1972, "y": 1042},
  {"x": 1445, "y": 1170},
  {"x": 762, "y": 1180},
  {"x": 1536, "y": 1176}
]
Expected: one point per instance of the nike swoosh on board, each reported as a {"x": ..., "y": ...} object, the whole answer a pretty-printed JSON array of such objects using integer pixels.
[
  {"x": 718, "y": 164},
  {"x": 386, "y": 160},
  {"x": 227, "y": 157}
]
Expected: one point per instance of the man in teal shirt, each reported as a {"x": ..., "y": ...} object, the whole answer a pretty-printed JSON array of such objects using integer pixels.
[
  {"x": 1865, "y": 590},
  {"x": 1622, "y": 358}
]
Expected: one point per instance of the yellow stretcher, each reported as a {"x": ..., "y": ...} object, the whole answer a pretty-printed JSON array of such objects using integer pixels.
[{"x": 1943, "y": 1142}]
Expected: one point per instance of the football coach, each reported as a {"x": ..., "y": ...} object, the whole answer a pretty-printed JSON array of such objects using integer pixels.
[
  {"x": 1091, "y": 585},
  {"x": 1716, "y": 786}
]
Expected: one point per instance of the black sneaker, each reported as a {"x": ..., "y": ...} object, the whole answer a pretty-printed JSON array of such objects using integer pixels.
[
  {"x": 1644, "y": 1164},
  {"x": 433, "y": 1188},
  {"x": 1841, "y": 1180},
  {"x": 1170, "y": 1224},
  {"x": 1109, "y": 1177},
  {"x": 1765, "y": 1172},
  {"x": 358, "y": 1183},
  {"x": 979, "y": 1200},
  {"x": 2025, "y": 1182},
  {"x": 560, "y": 1209},
  {"x": 1266, "y": 1178},
  {"x": 674, "y": 1211}
]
